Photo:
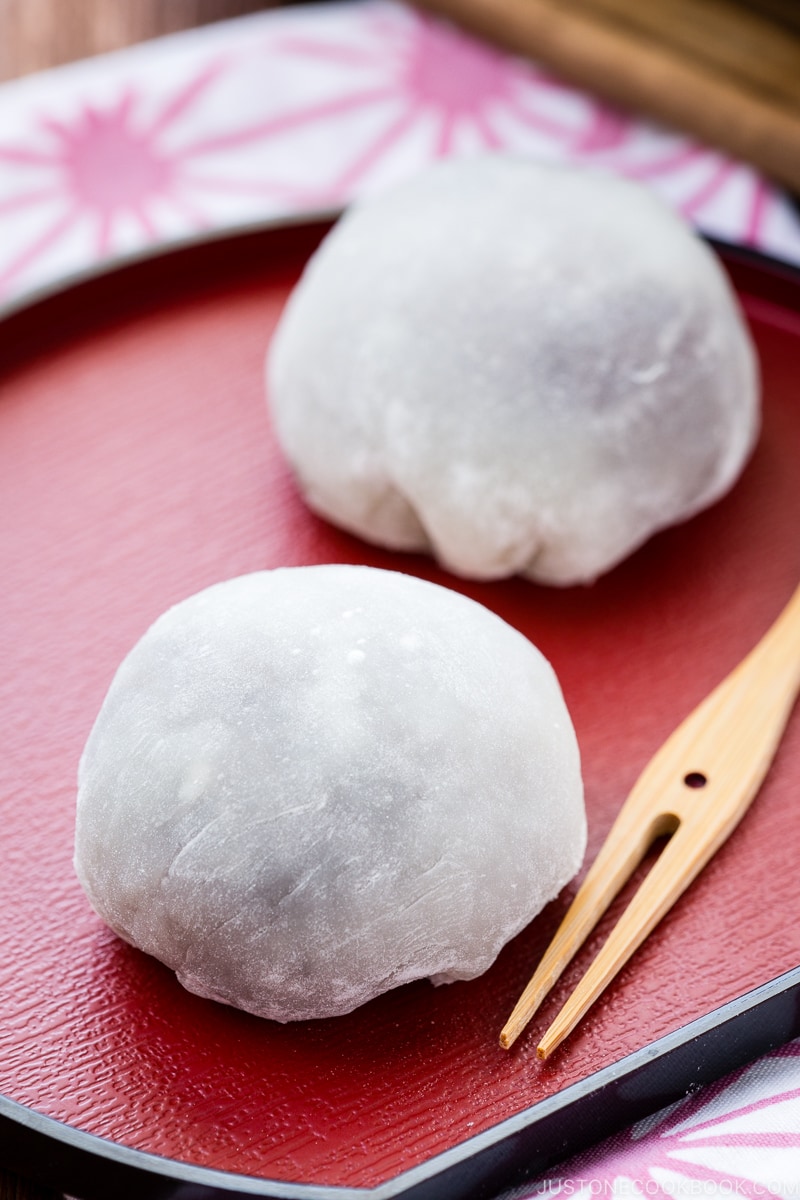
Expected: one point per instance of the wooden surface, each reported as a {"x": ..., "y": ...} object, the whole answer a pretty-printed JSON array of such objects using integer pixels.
[
  {"x": 730, "y": 38},
  {"x": 35, "y": 34},
  {"x": 723, "y": 70}
]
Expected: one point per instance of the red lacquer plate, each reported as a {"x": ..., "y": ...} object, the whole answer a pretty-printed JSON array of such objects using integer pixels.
[{"x": 137, "y": 465}]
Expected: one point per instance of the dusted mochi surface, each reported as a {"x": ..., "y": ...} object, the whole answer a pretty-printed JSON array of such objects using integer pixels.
[
  {"x": 517, "y": 367},
  {"x": 309, "y": 785}
]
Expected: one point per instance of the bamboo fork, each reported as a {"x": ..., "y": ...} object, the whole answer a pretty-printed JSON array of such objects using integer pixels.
[{"x": 697, "y": 788}]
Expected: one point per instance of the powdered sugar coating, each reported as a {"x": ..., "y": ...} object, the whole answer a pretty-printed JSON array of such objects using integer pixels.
[
  {"x": 309, "y": 785},
  {"x": 517, "y": 367}
]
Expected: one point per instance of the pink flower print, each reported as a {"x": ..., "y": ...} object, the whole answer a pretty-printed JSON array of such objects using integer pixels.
[
  {"x": 105, "y": 169},
  {"x": 740, "y": 1136},
  {"x": 695, "y": 179},
  {"x": 308, "y": 113},
  {"x": 438, "y": 83},
  {"x": 607, "y": 129},
  {"x": 109, "y": 167},
  {"x": 464, "y": 81},
  {"x": 459, "y": 79}
]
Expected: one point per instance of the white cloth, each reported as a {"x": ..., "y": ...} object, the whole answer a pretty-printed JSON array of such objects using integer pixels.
[{"x": 302, "y": 109}]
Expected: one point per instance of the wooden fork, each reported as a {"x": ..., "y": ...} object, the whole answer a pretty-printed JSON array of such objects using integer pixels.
[{"x": 697, "y": 788}]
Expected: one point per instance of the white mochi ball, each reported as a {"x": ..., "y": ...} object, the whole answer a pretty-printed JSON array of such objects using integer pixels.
[
  {"x": 306, "y": 786},
  {"x": 517, "y": 367}
]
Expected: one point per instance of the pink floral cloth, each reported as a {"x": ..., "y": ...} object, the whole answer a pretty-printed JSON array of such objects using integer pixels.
[
  {"x": 738, "y": 1137},
  {"x": 301, "y": 110}
]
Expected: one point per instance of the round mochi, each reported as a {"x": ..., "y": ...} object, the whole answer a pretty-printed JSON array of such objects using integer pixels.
[
  {"x": 518, "y": 368},
  {"x": 309, "y": 785}
]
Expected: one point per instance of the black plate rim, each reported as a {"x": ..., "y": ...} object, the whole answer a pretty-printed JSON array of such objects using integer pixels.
[{"x": 522, "y": 1146}]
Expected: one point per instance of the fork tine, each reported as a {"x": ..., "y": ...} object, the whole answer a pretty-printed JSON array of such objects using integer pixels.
[
  {"x": 700, "y": 783},
  {"x": 626, "y": 845},
  {"x": 669, "y": 877}
]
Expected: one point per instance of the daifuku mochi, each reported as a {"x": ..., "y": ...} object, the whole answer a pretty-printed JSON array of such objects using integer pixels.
[
  {"x": 309, "y": 785},
  {"x": 519, "y": 368}
]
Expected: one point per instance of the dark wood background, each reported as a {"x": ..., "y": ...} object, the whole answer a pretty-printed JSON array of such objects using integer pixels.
[{"x": 35, "y": 34}]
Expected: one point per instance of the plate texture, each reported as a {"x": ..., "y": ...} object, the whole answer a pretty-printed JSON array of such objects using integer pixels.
[{"x": 137, "y": 465}]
